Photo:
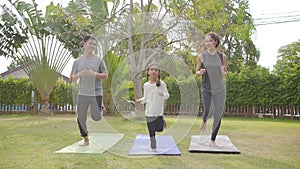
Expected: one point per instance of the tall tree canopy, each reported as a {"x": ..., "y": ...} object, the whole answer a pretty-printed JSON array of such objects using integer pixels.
[
  {"x": 232, "y": 21},
  {"x": 287, "y": 69}
]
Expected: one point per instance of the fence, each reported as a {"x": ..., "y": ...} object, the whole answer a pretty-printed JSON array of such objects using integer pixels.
[
  {"x": 29, "y": 108},
  {"x": 289, "y": 112}
]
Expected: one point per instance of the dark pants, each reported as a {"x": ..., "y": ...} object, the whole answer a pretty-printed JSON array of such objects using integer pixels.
[
  {"x": 213, "y": 106},
  {"x": 83, "y": 102},
  {"x": 155, "y": 124}
]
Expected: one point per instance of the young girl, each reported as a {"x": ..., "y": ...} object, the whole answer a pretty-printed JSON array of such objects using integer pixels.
[
  {"x": 212, "y": 66},
  {"x": 155, "y": 92},
  {"x": 90, "y": 70}
]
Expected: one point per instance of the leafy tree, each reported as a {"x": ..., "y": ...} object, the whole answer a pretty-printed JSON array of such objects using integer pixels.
[
  {"x": 145, "y": 36},
  {"x": 231, "y": 20},
  {"x": 15, "y": 64},
  {"x": 287, "y": 69},
  {"x": 136, "y": 32},
  {"x": 72, "y": 23}
]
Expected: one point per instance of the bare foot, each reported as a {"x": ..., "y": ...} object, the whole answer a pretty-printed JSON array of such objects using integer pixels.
[
  {"x": 203, "y": 126},
  {"x": 86, "y": 141},
  {"x": 213, "y": 143}
]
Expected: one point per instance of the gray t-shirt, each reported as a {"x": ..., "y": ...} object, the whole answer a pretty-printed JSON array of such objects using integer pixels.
[
  {"x": 212, "y": 80},
  {"x": 89, "y": 85}
]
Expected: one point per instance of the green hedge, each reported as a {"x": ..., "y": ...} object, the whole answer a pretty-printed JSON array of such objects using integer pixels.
[
  {"x": 15, "y": 91},
  {"x": 249, "y": 87},
  {"x": 62, "y": 94}
]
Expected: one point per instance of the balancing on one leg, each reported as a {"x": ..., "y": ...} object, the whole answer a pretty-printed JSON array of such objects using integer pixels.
[
  {"x": 90, "y": 69},
  {"x": 212, "y": 66},
  {"x": 155, "y": 92},
  {"x": 154, "y": 124}
]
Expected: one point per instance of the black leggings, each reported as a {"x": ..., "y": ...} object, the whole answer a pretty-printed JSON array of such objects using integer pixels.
[
  {"x": 213, "y": 106},
  {"x": 155, "y": 124}
]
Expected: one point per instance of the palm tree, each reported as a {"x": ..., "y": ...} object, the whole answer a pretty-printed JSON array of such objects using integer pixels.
[
  {"x": 25, "y": 38},
  {"x": 83, "y": 17}
]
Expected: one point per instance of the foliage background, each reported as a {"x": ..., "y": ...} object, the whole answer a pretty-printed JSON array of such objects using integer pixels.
[{"x": 249, "y": 87}]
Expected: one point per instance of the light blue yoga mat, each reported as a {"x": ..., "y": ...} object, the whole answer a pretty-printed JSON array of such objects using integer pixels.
[
  {"x": 165, "y": 146},
  {"x": 98, "y": 144},
  {"x": 201, "y": 144}
]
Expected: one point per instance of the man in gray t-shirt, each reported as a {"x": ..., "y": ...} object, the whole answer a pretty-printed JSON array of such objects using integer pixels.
[
  {"x": 89, "y": 85},
  {"x": 90, "y": 70}
]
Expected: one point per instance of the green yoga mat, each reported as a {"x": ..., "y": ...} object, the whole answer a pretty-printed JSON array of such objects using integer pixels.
[{"x": 99, "y": 143}]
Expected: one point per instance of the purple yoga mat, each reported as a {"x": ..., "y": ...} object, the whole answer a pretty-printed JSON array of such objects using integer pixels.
[{"x": 165, "y": 146}]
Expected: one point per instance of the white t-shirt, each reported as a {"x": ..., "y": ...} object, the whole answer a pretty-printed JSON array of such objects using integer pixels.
[{"x": 154, "y": 102}]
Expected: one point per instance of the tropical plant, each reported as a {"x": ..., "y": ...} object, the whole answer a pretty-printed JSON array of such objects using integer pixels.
[
  {"x": 113, "y": 63},
  {"x": 26, "y": 38},
  {"x": 82, "y": 17}
]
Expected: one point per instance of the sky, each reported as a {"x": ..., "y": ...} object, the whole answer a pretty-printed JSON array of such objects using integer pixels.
[{"x": 267, "y": 38}]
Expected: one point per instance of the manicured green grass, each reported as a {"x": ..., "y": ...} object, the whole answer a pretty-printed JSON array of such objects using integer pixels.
[{"x": 28, "y": 141}]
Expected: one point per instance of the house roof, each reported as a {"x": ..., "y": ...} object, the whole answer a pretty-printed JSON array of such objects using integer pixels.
[{"x": 11, "y": 71}]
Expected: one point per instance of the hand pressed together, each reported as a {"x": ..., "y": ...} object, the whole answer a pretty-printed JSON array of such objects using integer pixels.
[{"x": 87, "y": 72}]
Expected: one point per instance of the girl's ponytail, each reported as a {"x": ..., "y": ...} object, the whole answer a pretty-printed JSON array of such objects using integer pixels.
[{"x": 158, "y": 81}]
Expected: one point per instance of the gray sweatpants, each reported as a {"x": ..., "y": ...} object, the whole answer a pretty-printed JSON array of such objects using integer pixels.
[
  {"x": 83, "y": 102},
  {"x": 214, "y": 106}
]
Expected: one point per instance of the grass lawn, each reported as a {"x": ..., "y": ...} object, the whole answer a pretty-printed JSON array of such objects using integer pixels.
[{"x": 28, "y": 141}]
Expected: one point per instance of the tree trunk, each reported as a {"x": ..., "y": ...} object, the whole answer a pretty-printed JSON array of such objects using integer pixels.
[
  {"x": 35, "y": 102},
  {"x": 137, "y": 81},
  {"x": 45, "y": 107}
]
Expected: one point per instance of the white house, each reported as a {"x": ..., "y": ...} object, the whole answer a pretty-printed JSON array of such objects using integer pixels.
[{"x": 18, "y": 72}]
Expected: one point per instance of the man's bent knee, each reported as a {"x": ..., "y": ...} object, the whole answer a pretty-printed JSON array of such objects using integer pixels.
[{"x": 96, "y": 117}]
